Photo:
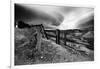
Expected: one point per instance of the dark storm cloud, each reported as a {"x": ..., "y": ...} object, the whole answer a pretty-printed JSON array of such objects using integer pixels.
[
  {"x": 87, "y": 24},
  {"x": 21, "y": 13},
  {"x": 33, "y": 16}
]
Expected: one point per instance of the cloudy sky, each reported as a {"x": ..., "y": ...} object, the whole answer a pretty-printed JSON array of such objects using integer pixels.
[{"x": 55, "y": 17}]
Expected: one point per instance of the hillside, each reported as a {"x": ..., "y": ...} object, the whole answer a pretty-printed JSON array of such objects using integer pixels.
[{"x": 27, "y": 43}]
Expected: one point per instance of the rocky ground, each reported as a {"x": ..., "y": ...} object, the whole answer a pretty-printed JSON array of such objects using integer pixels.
[{"x": 50, "y": 52}]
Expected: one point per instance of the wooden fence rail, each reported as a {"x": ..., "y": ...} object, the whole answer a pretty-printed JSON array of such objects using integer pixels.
[{"x": 58, "y": 37}]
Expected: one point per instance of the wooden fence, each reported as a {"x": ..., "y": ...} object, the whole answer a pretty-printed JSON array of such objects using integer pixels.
[{"x": 59, "y": 35}]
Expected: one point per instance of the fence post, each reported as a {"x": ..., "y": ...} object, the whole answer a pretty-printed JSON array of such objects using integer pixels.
[
  {"x": 65, "y": 37},
  {"x": 42, "y": 31},
  {"x": 57, "y": 36}
]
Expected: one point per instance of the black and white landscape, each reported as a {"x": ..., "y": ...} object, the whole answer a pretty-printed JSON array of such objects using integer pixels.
[{"x": 53, "y": 34}]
